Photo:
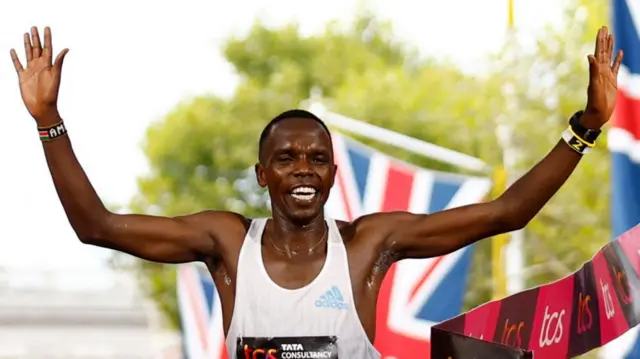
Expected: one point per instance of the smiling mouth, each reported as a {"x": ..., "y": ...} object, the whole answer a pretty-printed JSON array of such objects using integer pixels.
[{"x": 305, "y": 194}]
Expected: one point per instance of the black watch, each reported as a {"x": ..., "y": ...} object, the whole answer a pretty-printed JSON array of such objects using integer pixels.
[{"x": 586, "y": 134}]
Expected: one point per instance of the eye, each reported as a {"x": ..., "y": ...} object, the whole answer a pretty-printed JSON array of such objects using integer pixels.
[
  {"x": 285, "y": 158},
  {"x": 319, "y": 159}
]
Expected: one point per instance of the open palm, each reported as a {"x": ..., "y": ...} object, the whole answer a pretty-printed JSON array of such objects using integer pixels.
[
  {"x": 603, "y": 79},
  {"x": 40, "y": 80}
]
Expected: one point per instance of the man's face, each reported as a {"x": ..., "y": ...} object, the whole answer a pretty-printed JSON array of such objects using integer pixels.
[{"x": 298, "y": 168}]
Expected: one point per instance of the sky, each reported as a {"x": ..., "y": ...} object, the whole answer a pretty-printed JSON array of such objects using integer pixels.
[{"x": 131, "y": 62}]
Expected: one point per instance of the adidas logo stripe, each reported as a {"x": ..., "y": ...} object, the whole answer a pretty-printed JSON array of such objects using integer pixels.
[{"x": 332, "y": 299}]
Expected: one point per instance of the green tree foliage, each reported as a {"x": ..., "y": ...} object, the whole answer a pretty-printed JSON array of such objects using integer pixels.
[
  {"x": 551, "y": 85},
  {"x": 202, "y": 152}
]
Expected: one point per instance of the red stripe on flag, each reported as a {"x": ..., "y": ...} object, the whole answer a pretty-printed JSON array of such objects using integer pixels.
[
  {"x": 626, "y": 114},
  {"x": 397, "y": 197},
  {"x": 224, "y": 354},
  {"x": 388, "y": 342},
  {"x": 424, "y": 276},
  {"x": 397, "y": 194}
]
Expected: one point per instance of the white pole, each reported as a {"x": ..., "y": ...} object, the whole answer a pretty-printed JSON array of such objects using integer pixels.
[
  {"x": 514, "y": 251},
  {"x": 397, "y": 139}
]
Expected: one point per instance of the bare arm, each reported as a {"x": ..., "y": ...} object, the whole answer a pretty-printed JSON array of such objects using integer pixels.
[
  {"x": 419, "y": 236},
  {"x": 171, "y": 240},
  {"x": 179, "y": 239}
]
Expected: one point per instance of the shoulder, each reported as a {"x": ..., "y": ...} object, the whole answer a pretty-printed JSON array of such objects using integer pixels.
[
  {"x": 373, "y": 227},
  {"x": 219, "y": 224}
]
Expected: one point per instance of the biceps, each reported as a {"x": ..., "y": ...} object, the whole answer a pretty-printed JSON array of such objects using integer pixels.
[
  {"x": 159, "y": 239},
  {"x": 424, "y": 236}
]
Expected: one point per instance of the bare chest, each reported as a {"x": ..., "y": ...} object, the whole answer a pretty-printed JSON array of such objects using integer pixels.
[{"x": 293, "y": 272}]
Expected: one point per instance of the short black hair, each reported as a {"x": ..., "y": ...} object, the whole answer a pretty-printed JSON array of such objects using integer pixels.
[{"x": 295, "y": 113}]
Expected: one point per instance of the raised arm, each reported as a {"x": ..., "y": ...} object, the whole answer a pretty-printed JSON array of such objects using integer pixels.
[
  {"x": 179, "y": 239},
  {"x": 420, "y": 236}
]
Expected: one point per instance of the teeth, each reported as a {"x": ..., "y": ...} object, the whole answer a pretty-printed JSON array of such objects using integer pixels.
[
  {"x": 304, "y": 190},
  {"x": 303, "y": 197}
]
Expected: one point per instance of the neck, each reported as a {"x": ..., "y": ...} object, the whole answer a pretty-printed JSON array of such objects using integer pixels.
[{"x": 295, "y": 237}]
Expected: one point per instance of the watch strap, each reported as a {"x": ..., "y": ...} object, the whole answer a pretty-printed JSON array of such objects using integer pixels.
[
  {"x": 587, "y": 135},
  {"x": 575, "y": 143}
]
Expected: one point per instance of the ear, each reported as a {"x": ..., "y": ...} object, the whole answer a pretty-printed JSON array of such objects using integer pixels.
[
  {"x": 260, "y": 175},
  {"x": 333, "y": 177}
]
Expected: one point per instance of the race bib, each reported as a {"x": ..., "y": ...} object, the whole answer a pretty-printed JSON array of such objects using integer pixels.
[{"x": 287, "y": 348}]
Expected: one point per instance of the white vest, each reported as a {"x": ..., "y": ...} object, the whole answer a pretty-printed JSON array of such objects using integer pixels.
[{"x": 315, "y": 321}]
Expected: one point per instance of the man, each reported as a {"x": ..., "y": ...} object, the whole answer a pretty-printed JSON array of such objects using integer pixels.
[{"x": 300, "y": 282}]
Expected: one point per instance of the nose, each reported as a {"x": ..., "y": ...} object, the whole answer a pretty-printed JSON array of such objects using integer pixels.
[{"x": 302, "y": 168}]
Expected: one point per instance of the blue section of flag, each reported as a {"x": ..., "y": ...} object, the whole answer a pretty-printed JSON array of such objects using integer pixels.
[
  {"x": 442, "y": 193},
  {"x": 446, "y": 300},
  {"x": 360, "y": 163},
  {"x": 626, "y": 35},
  {"x": 625, "y": 203}
]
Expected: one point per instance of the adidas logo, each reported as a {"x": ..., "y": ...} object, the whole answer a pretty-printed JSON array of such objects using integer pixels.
[{"x": 332, "y": 299}]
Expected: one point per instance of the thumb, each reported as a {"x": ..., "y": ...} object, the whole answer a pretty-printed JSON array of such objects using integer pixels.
[
  {"x": 593, "y": 67},
  {"x": 57, "y": 64}
]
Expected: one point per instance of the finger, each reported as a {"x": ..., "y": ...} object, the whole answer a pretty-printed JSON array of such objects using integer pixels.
[
  {"x": 47, "y": 51},
  {"x": 35, "y": 38},
  {"x": 28, "y": 51},
  {"x": 59, "y": 60},
  {"x": 16, "y": 61},
  {"x": 617, "y": 62},
  {"x": 610, "y": 42},
  {"x": 602, "y": 45},
  {"x": 606, "y": 55},
  {"x": 593, "y": 66},
  {"x": 597, "y": 47}
]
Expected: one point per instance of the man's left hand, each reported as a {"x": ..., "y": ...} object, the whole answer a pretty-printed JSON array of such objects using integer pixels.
[{"x": 603, "y": 81}]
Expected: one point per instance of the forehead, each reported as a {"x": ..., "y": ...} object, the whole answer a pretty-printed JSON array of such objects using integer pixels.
[{"x": 297, "y": 132}]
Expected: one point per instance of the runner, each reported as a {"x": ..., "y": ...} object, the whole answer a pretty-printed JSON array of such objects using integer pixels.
[{"x": 300, "y": 285}]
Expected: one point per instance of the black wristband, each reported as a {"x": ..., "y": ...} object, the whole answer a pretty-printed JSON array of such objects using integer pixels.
[
  {"x": 587, "y": 135},
  {"x": 52, "y": 132},
  {"x": 575, "y": 143}
]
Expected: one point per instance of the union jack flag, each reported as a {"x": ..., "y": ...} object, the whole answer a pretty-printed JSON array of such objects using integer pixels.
[
  {"x": 624, "y": 144},
  {"x": 200, "y": 314},
  {"x": 415, "y": 294}
]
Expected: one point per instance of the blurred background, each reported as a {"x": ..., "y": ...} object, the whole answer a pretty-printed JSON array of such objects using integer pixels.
[{"x": 164, "y": 102}]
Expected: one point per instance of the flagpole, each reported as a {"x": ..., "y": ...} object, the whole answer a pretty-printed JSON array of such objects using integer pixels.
[
  {"x": 515, "y": 262},
  {"x": 510, "y": 18},
  {"x": 507, "y": 251},
  {"x": 499, "y": 242},
  {"x": 394, "y": 138}
]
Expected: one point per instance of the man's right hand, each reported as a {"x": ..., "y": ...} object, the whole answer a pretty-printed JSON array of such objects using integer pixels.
[
  {"x": 40, "y": 80},
  {"x": 160, "y": 239}
]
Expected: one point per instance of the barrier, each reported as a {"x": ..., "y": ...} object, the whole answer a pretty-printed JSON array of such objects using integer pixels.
[{"x": 563, "y": 319}]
